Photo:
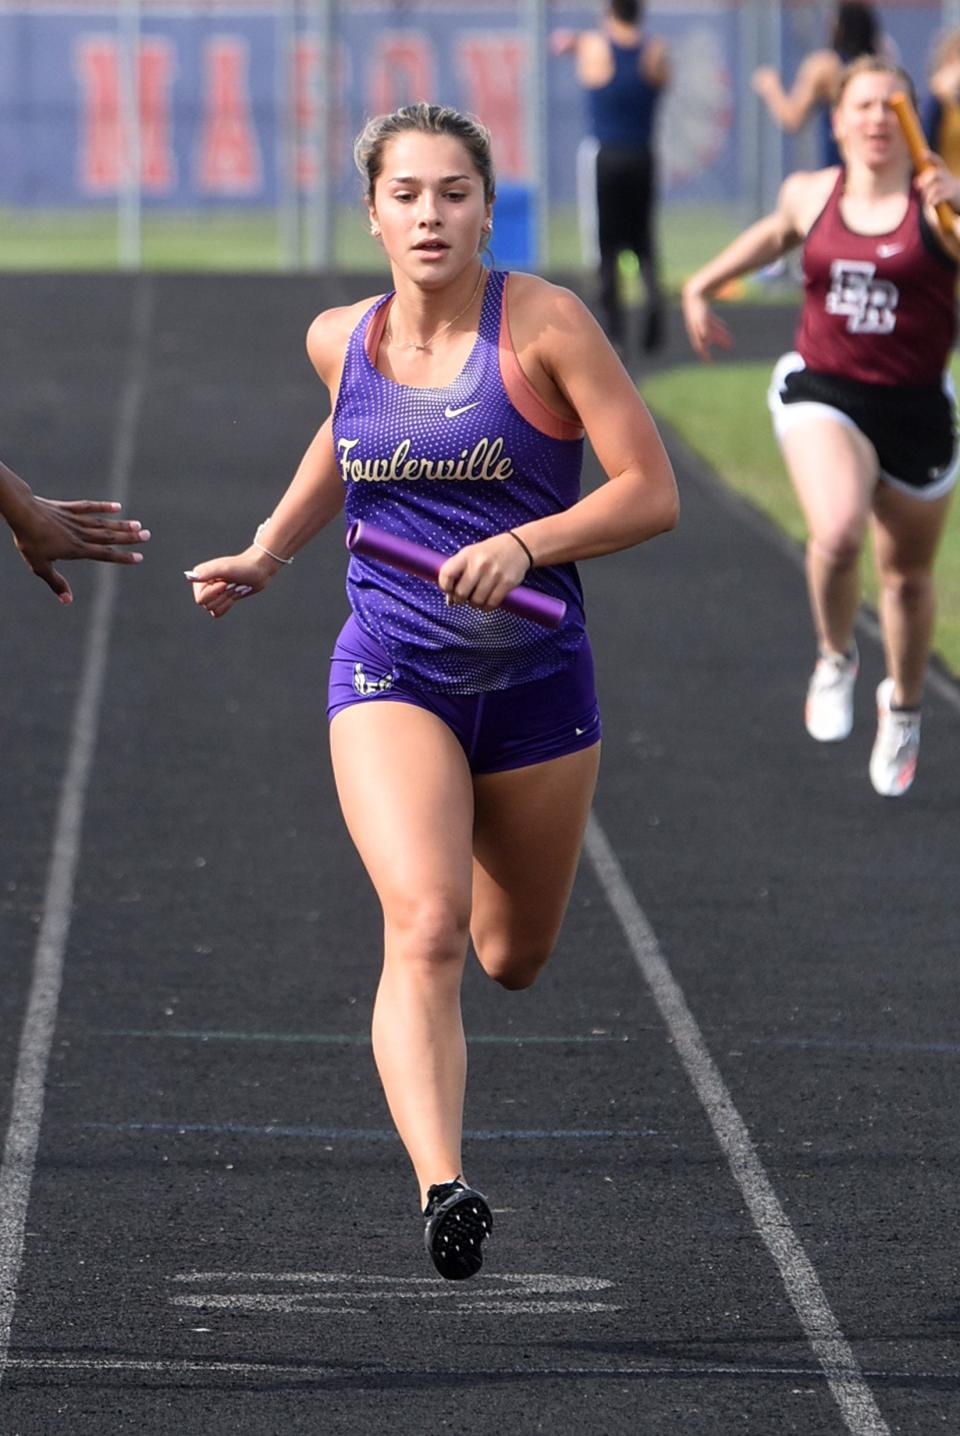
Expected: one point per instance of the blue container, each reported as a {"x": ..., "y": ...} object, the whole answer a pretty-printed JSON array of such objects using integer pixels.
[{"x": 514, "y": 243}]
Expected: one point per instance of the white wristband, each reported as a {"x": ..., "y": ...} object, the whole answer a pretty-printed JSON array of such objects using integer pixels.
[{"x": 263, "y": 548}]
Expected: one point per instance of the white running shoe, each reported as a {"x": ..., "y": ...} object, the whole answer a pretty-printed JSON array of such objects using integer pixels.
[
  {"x": 893, "y": 761},
  {"x": 829, "y": 710}
]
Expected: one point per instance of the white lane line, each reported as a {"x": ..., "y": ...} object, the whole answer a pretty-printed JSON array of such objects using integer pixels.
[
  {"x": 329, "y": 1303},
  {"x": 428, "y": 1285},
  {"x": 822, "y": 1330},
  {"x": 167, "y": 1368},
  {"x": 311, "y": 1293},
  {"x": 26, "y": 1107}
]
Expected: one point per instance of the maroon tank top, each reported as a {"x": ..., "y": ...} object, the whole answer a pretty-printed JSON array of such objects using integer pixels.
[{"x": 879, "y": 308}]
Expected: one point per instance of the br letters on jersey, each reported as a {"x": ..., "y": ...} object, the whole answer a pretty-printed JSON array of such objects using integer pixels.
[{"x": 869, "y": 304}]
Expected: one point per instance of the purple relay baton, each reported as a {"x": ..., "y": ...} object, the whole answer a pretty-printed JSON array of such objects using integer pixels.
[{"x": 372, "y": 542}]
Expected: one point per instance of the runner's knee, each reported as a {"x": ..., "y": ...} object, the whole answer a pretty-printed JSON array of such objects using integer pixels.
[
  {"x": 514, "y": 964},
  {"x": 906, "y": 586},
  {"x": 429, "y": 929},
  {"x": 839, "y": 546}
]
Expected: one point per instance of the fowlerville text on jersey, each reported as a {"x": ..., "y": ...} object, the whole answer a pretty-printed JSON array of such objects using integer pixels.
[{"x": 486, "y": 460}]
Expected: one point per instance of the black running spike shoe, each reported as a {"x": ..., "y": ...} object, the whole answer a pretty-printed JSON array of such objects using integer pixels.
[{"x": 458, "y": 1221}]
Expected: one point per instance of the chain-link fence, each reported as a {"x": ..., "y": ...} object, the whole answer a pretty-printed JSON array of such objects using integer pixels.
[{"x": 218, "y": 133}]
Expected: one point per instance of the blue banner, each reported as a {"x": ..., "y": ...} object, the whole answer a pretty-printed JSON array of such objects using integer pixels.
[{"x": 214, "y": 99}]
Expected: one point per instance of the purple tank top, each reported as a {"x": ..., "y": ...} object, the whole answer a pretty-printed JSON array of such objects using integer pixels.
[{"x": 445, "y": 468}]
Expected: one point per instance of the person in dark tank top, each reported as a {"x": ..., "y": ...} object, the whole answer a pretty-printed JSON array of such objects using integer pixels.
[{"x": 623, "y": 73}]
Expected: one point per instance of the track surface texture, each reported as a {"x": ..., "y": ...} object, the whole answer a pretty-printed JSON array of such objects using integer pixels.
[{"x": 719, "y": 1136}]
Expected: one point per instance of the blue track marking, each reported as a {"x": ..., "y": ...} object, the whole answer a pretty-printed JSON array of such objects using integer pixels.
[
  {"x": 374, "y": 1134},
  {"x": 355, "y": 1039}
]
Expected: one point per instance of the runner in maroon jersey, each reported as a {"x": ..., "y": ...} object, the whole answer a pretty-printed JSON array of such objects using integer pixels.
[{"x": 863, "y": 408}]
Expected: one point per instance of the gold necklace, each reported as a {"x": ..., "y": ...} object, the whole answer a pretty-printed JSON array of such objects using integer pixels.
[{"x": 425, "y": 346}]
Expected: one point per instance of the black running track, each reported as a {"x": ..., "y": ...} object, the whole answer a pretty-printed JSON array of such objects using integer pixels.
[{"x": 720, "y": 1135}]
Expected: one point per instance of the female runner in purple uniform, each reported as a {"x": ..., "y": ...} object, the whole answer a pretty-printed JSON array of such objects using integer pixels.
[
  {"x": 465, "y": 739},
  {"x": 864, "y": 409}
]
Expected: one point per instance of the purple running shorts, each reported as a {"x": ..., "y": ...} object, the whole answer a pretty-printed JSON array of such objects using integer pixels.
[{"x": 509, "y": 728}]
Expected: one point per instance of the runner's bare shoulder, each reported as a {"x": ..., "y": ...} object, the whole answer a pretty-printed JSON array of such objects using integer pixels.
[{"x": 329, "y": 334}]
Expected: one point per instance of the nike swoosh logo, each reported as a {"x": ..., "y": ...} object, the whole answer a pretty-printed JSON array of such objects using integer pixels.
[
  {"x": 449, "y": 413},
  {"x": 887, "y": 251}
]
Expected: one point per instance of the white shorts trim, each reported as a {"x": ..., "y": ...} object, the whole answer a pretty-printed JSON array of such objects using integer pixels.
[{"x": 787, "y": 417}]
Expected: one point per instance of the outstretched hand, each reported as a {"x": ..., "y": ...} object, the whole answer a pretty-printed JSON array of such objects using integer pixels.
[
  {"x": 563, "y": 41},
  {"x": 704, "y": 328},
  {"x": 47, "y": 530},
  {"x": 764, "y": 79}
]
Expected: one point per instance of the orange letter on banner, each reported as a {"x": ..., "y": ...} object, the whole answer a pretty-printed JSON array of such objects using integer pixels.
[
  {"x": 403, "y": 70},
  {"x": 229, "y": 154},
  {"x": 100, "y": 114},
  {"x": 156, "y": 154},
  {"x": 306, "y": 68},
  {"x": 494, "y": 74},
  {"x": 103, "y": 145}
]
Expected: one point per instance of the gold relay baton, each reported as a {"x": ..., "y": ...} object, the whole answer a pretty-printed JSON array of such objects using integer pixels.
[{"x": 902, "y": 107}]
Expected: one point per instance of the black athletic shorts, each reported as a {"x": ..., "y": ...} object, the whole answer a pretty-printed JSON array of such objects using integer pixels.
[{"x": 913, "y": 430}]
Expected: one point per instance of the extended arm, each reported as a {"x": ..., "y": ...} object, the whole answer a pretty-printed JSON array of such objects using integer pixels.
[
  {"x": 814, "y": 84},
  {"x": 313, "y": 497},
  {"x": 760, "y": 244}
]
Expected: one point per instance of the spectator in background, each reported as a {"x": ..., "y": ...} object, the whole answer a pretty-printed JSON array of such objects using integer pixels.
[
  {"x": 623, "y": 72},
  {"x": 856, "y": 31},
  {"x": 45, "y": 530},
  {"x": 941, "y": 112}
]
